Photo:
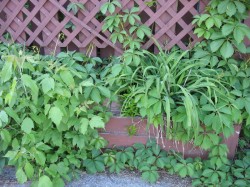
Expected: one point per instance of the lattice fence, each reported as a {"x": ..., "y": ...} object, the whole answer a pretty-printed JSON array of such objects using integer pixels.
[{"x": 40, "y": 22}]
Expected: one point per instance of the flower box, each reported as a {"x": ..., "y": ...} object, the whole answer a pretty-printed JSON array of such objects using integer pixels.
[{"x": 117, "y": 135}]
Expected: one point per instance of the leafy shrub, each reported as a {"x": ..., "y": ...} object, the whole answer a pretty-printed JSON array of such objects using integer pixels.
[
  {"x": 192, "y": 95},
  {"x": 222, "y": 26},
  {"x": 50, "y": 110},
  {"x": 172, "y": 87},
  {"x": 126, "y": 28}
]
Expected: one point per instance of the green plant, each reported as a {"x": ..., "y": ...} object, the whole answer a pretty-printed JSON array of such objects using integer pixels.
[
  {"x": 212, "y": 175},
  {"x": 222, "y": 26},
  {"x": 132, "y": 130},
  {"x": 75, "y": 7},
  {"x": 203, "y": 93},
  {"x": 50, "y": 109},
  {"x": 146, "y": 159},
  {"x": 95, "y": 162},
  {"x": 241, "y": 171},
  {"x": 235, "y": 173},
  {"x": 170, "y": 85},
  {"x": 151, "y": 3},
  {"x": 150, "y": 159},
  {"x": 70, "y": 25},
  {"x": 185, "y": 167},
  {"x": 129, "y": 107},
  {"x": 236, "y": 73},
  {"x": 193, "y": 95},
  {"x": 126, "y": 29}
]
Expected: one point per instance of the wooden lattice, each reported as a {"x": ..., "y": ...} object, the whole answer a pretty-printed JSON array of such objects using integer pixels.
[{"x": 40, "y": 22}]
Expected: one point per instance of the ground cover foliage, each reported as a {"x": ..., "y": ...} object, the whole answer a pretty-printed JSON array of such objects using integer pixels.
[
  {"x": 50, "y": 110},
  {"x": 51, "y": 107}
]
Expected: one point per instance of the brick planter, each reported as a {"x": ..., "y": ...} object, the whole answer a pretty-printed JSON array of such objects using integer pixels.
[{"x": 116, "y": 133}]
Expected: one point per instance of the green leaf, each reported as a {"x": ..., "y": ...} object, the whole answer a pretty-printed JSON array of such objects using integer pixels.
[
  {"x": 151, "y": 160},
  {"x": 11, "y": 155},
  {"x": 157, "y": 108},
  {"x": 238, "y": 35},
  {"x": 209, "y": 23},
  {"x": 215, "y": 178},
  {"x": 124, "y": 157},
  {"x": 218, "y": 21},
  {"x": 95, "y": 95},
  {"x": 6, "y": 72},
  {"x": 96, "y": 122},
  {"x": 5, "y": 135},
  {"x": 15, "y": 144},
  {"x": 227, "y": 50},
  {"x": 248, "y": 121},
  {"x": 104, "y": 91},
  {"x": 84, "y": 125},
  {"x": 208, "y": 120},
  {"x": 57, "y": 138},
  {"x": 247, "y": 106},
  {"x": 227, "y": 120},
  {"x": 237, "y": 93},
  {"x": 215, "y": 45},
  {"x": 45, "y": 181},
  {"x": 20, "y": 175},
  {"x": 209, "y": 108},
  {"x": 40, "y": 158},
  {"x": 150, "y": 176},
  {"x": 58, "y": 182},
  {"x": 131, "y": 20},
  {"x": 222, "y": 7},
  {"x": 111, "y": 8},
  {"x": 240, "y": 182},
  {"x": 231, "y": 9},
  {"x": 55, "y": 114},
  {"x": 87, "y": 83},
  {"x": 197, "y": 182},
  {"x": 29, "y": 170},
  {"x": 128, "y": 59},
  {"x": 227, "y": 29},
  {"x": 28, "y": 82},
  {"x": 183, "y": 172},
  {"x": 62, "y": 55},
  {"x": 27, "y": 125},
  {"x": 214, "y": 138},
  {"x": 241, "y": 47},
  {"x": 12, "y": 113},
  {"x": 240, "y": 6},
  {"x": 160, "y": 162},
  {"x": 104, "y": 8},
  {"x": 156, "y": 149},
  {"x": 67, "y": 78},
  {"x": 48, "y": 84},
  {"x": 94, "y": 166},
  {"x": 199, "y": 31},
  {"x": 80, "y": 6},
  {"x": 3, "y": 116},
  {"x": 117, "y": 3},
  {"x": 207, "y": 143},
  {"x": 140, "y": 33},
  {"x": 116, "y": 69},
  {"x": 207, "y": 172}
]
